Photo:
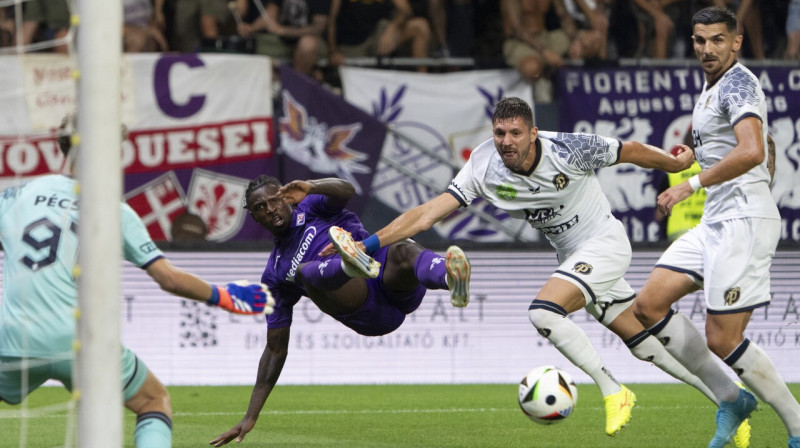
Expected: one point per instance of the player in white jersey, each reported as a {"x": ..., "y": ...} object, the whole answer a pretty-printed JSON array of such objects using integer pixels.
[
  {"x": 38, "y": 229},
  {"x": 548, "y": 179},
  {"x": 729, "y": 253}
]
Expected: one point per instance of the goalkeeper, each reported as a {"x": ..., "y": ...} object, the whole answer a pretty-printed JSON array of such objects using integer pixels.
[
  {"x": 372, "y": 298},
  {"x": 38, "y": 223}
]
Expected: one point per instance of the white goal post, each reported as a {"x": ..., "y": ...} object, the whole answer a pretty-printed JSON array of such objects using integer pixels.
[{"x": 99, "y": 50}]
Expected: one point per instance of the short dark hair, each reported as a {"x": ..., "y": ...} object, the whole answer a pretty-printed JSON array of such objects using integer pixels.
[
  {"x": 716, "y": 14},
  {"x": 513, "y": 107},
  {"x": 259, "y": 182}
]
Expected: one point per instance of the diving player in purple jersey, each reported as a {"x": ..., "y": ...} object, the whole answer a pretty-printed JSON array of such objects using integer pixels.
[{"x": 369, "y": 306}]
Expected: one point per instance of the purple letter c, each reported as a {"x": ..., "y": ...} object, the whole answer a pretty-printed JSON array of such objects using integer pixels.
[{"x": 161, "y": 86}]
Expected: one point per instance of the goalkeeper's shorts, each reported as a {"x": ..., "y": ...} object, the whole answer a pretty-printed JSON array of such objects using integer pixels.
[{"x": 39, "y": 370}]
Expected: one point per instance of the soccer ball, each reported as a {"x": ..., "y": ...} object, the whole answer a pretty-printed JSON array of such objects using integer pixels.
[{"x": 547, "y": 395}]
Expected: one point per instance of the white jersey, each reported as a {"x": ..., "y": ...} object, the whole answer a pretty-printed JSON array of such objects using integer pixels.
[
  {"x": 560, "y": 196},
  {"x": 735, "y": 96}
]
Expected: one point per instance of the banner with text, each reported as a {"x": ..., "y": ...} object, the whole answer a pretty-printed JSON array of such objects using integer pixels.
[
  {"x": 194, "y": 141},
  {"x": 446, "y": 114},
  {"x": 654, "y": 105}
]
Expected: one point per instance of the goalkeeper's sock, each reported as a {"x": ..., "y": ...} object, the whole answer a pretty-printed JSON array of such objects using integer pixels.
[
  {"x": 327, "y": 275},
  {"x": 758, "y": 373},
  {"x": 551, "y": 321},
  {"x": 153, "y": 430},
  {"x": 431, "y": 270},
  {"x": 682, "y": 340},
  {"x": 647, "y": 348}
]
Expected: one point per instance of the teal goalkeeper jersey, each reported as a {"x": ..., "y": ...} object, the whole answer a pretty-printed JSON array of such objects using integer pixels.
[{"x": 38, "y": 230}]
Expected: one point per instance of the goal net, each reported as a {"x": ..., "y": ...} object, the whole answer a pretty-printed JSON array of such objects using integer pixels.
[{"x": 53, "y": 63}]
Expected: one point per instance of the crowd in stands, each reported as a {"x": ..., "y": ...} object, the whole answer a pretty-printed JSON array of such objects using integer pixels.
[{"x": 534, "y": 36}]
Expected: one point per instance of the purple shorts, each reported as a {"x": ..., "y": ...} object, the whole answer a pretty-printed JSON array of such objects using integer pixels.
[{"x": 384, "y": 310}]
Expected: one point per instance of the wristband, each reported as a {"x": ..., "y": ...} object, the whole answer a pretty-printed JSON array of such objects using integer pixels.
[
  {"x": 214, "y": 299},
  {"x": 694, "y": 182},
  {"x": 371, "y": 244}
]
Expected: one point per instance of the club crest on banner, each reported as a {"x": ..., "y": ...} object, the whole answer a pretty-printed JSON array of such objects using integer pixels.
[
  {"x": 158, "y": 203},
  {"x": 216, "y": 198},
  {"x": 323, "y": 149}
]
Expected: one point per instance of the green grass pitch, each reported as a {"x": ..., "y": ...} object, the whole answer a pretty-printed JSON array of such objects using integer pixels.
[{"x": 425, "y": 416}]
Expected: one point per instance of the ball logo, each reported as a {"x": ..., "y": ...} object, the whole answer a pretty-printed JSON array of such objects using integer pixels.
[
  {"x": 560, "y": 181},
  {"x": 582, "y": 268},
  {"x": 732, "y": 295},
  {"x": 506, "y": 192}
]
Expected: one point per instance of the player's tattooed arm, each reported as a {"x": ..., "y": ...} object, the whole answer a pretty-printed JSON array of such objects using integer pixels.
[{"x": 771, "y": 158}]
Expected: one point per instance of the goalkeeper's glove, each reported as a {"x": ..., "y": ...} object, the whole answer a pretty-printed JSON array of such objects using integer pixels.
[{"x": 243, "y": 297}]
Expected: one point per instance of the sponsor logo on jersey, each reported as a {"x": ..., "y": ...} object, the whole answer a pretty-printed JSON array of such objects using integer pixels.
[
  {"x": 561, "y": 228},
  {"x": 560, "y": 181},
  {"x": 148, "y": 247},
  {"x": 505, "y": 191},
  {"x": 305, "y": 244},
  {"x": 542, "y": 215},
  {"x": 732, "y": 295},
  {"x": 582, "y": 267}
]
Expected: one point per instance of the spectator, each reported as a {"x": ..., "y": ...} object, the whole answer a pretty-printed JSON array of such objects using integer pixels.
[
  {"x": 591, "y": 16},
  {"x": 140, "y": 30},
  {"x": 291, "y": 30},
  {"x": 656, "y": 21},
  {"x": 793, "y": 31},
  {"x": 530, "y": 47},
  {"x": 7, "y": 27},
  {"x": 435, "y": 13},
  {"x": 459, "y": 26},
  {"x": 363, "y": 28},
  {"x": 45, "y": 20},
  {"x": 201, "y": 22},
  {"x": 748, "y": 13}
]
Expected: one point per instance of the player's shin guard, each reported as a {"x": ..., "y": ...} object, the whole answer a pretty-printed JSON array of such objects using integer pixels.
[
  {"x": 648, "y": 349},
  {"x": 682, "y": 340},
  {"x": 327, "y": 275},
  {"x": 153, "y": 430},
  {"x": 430, "y": 270},
  {"x": 551, "y": 322},
  {"x": 758, "y": 373}
]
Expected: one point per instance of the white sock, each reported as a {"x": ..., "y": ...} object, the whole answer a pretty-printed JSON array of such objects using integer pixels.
[
  {"x": 682, "y": 340},
  {"x": 551, "y": 322},
  {"x": 648, "y": 349},
  {"x": 758, "y": 372}
]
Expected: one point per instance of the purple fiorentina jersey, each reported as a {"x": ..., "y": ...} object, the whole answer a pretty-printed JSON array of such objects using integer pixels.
[{"x": 307, "y": 235}]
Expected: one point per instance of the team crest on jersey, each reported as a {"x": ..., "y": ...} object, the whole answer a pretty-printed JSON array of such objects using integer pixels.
[
  {"x": 582, "y": 268},
  {"x": 732, "y": 295},
  {"x": 560, "y": 181},
  {"x": 505, "y": 191},
  {"x": 301, "y": 219}
]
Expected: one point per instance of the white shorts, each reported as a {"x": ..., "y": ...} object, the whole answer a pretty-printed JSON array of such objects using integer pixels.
[
  {"x": 730, "y": 260},
  {"x": 597, "y": 267}
]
